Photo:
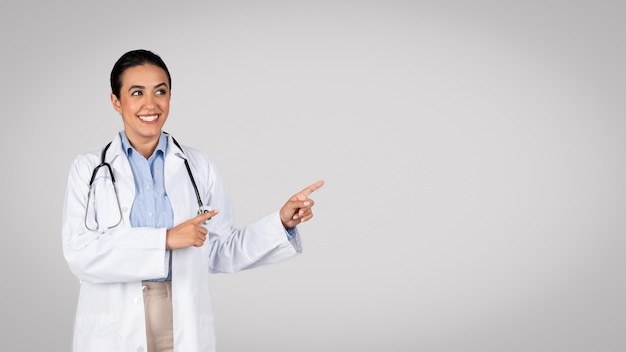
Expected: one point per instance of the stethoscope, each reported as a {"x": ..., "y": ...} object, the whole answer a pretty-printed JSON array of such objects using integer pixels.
[{"x": 103, "y": 163}]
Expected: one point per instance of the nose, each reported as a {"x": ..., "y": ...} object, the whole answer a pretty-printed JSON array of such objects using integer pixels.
[{"x": 149, "y": 101}]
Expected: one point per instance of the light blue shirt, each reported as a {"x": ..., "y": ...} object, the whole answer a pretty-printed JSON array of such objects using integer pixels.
[{"x": 151, "y": 207}]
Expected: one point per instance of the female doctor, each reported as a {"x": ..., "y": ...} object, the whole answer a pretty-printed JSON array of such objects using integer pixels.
[{"x": 146, "y": 219}]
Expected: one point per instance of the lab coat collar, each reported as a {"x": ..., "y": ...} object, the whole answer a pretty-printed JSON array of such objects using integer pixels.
[
  {"x": 174, "y": 160},
  {"x": 115, "y": 150},
  {"x": 173, "y": 149}
]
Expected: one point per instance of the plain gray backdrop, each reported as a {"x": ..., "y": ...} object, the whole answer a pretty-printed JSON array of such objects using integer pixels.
[{"x": 473, "y": 153}]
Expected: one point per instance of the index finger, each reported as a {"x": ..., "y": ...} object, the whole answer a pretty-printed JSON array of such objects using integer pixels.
[
  {"x": 207, "y": 215},
  {"x": 310, "y": 189}
]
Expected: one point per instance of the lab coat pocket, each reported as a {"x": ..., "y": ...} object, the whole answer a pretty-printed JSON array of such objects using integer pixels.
[{"x": 95, "y": 333}]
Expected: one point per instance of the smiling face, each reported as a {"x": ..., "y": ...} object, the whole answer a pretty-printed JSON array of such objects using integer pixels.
[{"x": 144, "y": 102}]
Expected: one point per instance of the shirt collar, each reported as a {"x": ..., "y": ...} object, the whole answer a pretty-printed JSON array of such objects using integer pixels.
[{"x": 128, "y": 149}]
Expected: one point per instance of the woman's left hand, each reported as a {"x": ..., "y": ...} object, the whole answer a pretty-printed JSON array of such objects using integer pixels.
[{"x": 298, "y": 207}]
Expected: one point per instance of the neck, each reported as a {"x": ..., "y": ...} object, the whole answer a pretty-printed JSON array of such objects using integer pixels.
[{"x": 145, "y": 146}]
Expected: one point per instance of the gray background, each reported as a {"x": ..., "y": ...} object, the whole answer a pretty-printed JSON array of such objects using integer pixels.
[{"x": 473, "y": 153}]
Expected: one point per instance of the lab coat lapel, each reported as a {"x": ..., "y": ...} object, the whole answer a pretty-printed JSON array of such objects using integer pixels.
[
  {"x": 123, "y": 174},
  {"x": 177, "y": 183}
]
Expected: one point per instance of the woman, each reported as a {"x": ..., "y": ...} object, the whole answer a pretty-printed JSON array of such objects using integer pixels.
[{"x": 145, "y": 220}]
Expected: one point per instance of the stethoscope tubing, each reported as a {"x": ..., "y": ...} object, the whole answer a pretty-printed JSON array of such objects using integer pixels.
[{"x": 103, "y": 163}]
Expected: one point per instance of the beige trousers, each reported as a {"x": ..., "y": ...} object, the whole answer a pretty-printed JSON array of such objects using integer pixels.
[{"x": 157, "y": 298}]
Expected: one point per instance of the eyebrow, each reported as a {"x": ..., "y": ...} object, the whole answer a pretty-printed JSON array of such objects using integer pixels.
[{"x": 142, "y": 87}]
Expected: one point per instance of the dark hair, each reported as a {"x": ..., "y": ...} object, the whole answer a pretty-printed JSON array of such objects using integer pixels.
[{"x": 131, "y": 59}]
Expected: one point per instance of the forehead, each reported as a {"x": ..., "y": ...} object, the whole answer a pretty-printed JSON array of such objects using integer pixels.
[{"x": 144, "y": 75}]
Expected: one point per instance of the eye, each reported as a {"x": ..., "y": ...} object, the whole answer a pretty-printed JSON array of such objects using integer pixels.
[
  {"x": 161, "y": 92},
  {"x": 137, "y": 92}
]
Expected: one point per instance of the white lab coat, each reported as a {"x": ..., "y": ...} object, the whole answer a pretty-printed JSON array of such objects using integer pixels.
[{"x": 111, "y": 263}]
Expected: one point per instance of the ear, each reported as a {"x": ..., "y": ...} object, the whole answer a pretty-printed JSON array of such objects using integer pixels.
[{"x": 117, "y": 105}]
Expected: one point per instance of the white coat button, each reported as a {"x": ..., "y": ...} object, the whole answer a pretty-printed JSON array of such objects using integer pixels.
[
  {"x": 139, "y": 349},
  {"x": 136, "y": 300}
]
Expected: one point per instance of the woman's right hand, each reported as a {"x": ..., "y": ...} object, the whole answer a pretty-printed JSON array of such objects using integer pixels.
[{"x": 189, "y": 233}]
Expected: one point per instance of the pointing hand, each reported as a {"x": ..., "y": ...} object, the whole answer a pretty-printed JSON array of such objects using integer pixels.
[{"x": 298, "y": 208}]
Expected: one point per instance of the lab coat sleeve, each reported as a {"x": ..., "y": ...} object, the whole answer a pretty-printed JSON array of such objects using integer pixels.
[
  {"x": 234, "y": 249},
  {"x": 121, "y": 254}
]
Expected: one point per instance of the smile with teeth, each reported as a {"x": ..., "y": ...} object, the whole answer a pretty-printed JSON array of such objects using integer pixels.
[{"x": 148, "y": 118}]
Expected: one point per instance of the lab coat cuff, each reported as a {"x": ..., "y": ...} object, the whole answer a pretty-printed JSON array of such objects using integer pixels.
[{"x": 292, "y": 235}]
